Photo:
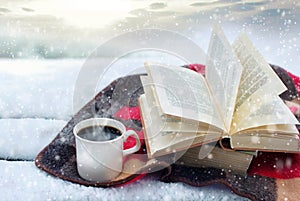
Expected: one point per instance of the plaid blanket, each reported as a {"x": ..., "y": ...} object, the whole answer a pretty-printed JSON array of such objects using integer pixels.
[{"x": 268, "y": 174}]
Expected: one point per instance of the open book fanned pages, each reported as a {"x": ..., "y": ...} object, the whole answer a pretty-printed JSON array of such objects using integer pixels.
[{"x": 237, "y": 102}]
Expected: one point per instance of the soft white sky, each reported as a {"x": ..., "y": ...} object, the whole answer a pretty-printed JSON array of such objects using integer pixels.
[
  {"x": 98, "y": 13},
  {"x": 76, "y": 27}
]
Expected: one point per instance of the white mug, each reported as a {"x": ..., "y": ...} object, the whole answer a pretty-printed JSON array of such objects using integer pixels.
[{"x": 102, "y": 160}]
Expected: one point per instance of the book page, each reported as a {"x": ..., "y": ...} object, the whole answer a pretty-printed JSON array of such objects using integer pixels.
[
  {"x": 258, "y": 102},
  {"x": 258, "y": 77},
  {"x": 159, "y": 144},
  {"x": 183, "y": 93},
  {"x": 166, "y": 126},
  {"x": 284, "y": 129},
  {"x": 223, "y": 73},
  {"x": 263, "y": 142},
  {"x": 269, "y": 110},
  {"x": 153, "y": 129}
]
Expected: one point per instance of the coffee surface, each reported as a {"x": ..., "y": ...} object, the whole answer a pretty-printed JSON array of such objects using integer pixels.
[{"x": 99, "y": 133}]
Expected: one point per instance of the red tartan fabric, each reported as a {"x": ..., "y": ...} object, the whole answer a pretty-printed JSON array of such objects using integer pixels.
[
  {"x": 199, "y": 68},
  {"x": 276, "y": 165},
  {"x": 296, "y": 80},
  {"x": 126, "y": 113},
  {"x": 130, "y": 113},
  {"x": 130, "y": 142}
]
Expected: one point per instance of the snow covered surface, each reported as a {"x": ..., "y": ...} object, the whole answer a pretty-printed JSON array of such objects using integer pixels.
[
  {"x": 33, "y": 88},
  {"x": 24, "y": 138},
  {"x": 23, "y": 181},
  {"x": 34, "y": 107}
]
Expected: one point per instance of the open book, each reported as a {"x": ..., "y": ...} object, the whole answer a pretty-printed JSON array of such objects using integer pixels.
[{"x": 237, "y": 101}]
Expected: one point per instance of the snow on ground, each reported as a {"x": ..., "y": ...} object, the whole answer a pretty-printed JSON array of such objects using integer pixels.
[
  {"x": 37, "y": 88},
  {"x": 35, "y": 104},
  {"x": 25, "y": 138},
  {"x": 23, "y": 181}
]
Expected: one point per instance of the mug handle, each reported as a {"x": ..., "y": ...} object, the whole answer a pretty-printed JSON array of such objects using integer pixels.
[{"x": 137, "y": 140}]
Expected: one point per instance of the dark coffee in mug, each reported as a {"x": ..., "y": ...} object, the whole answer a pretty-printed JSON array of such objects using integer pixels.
[
  {"x": 99, "y": 133},
  {"x": 99, "y": 148}
]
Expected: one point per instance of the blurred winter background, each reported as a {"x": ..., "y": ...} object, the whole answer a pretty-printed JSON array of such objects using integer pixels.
[
  {"x": 53, "y": 29},
  {"x": 53, "y": 37},
  {"x": 43, "y": 45}
]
